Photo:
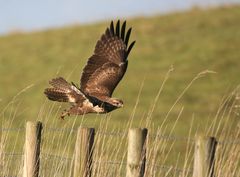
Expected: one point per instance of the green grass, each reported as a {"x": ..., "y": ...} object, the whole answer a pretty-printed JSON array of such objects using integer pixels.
[{"x": 190, "y": 42}]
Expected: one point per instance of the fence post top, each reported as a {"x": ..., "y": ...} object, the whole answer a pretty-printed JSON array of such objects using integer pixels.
[
  {"x": 86, "y": 128},
  {"x": 138, "y": 129},
  {"x": 204, "y": 137},
  {"x": 34, "y": 123}
]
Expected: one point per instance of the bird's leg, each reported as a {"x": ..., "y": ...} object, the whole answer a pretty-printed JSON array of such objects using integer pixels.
[
  {"x": 64, "y": 113},
  {"x": 74, "y": 110}
]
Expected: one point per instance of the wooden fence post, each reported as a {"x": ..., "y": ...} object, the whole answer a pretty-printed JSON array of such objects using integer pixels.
[
  {"x": 83, "y": 152},
  {"x": 136, "y": 157},
  {"x": 205, "y": 148},
  {"x": 1, "y": 152},
  {"x": 32, "y": 149}
]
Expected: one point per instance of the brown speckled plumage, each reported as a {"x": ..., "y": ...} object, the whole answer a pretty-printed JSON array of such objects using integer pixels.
[{"x": 102, "y": 73}]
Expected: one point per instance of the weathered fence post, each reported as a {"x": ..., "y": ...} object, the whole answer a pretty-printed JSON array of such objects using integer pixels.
[
  {"x": 205, "y": 148},
  {"x": 136, "y": 157},
  {"x": 32, "y": 149},
  {"x": 1, "y": 153},
  {"x": 83, "y": 152}
]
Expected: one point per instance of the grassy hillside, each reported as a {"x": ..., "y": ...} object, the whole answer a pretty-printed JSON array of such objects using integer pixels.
[{"x": 190, "y": 42}]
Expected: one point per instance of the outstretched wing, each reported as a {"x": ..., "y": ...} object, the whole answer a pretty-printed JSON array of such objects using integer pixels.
[{"x": 106, "y": 67}]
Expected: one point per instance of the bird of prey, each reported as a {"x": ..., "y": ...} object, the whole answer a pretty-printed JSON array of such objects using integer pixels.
[{"x": 102, "y": 73}]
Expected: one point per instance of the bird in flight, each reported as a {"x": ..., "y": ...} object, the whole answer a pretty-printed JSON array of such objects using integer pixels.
[{"x": 102, "y": 73}]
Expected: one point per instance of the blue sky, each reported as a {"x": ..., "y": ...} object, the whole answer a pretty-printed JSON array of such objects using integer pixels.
[{"x": 28, "y": 15}]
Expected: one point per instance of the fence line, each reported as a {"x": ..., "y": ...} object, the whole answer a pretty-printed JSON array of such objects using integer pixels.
[
  {"x": 69, "y": 159},
  {"x": 204, "y": 155},
  {"x": 122, "y": 133},
  {"x": 12, "y": 129},
  {"x": 45, "y": 155}
]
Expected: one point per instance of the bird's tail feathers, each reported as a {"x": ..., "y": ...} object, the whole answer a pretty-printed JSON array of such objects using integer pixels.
[
  {"x": 55, "y": 94},
  {"x": 63, "y": 91},
  {"x": 60, "y": 83}
]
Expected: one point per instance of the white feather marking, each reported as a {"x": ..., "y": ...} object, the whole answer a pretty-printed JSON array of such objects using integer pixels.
[
  {"x": 87, "y": 103},
  {"x": 98, "y": 109},
  {"x": 71, "y": 99},
  {"x": 77, "y": 91},
  {"x": 120, "y": 64}
]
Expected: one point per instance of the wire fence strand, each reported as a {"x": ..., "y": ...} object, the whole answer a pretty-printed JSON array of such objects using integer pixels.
[{"x": 124, "y": 133}]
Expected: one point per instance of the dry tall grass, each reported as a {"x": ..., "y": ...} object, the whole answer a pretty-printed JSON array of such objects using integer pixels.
[{"x": 110, "y": 147}]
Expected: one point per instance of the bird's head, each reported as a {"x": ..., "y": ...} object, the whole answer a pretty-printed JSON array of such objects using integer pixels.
[{"x": 117, "y": 102}]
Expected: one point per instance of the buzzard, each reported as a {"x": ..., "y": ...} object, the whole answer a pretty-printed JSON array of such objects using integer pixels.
[{"x": 102, "y": 73}]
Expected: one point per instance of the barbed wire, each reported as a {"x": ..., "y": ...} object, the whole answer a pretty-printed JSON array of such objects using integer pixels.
[
  {"x": 96, "y": 162},
  {"x": 12, "y": 154},
  {"x": 229, "y": 142},
  {"x": 12, "y": 129},
  {"x": 45, "y": 129},
  {"x": 173, "y": 168},
  {"x": 105, "y": 133},
  {"x": 110, "y": 162},
  {"x": 116, "y": 133},
  {"x": 50, "y": 129},
  {"x": 52, "y": 156},
  {"x": 124, "y": 133},
  {"x": 42, "y": 155}
]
